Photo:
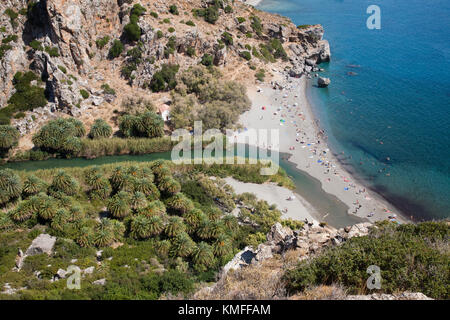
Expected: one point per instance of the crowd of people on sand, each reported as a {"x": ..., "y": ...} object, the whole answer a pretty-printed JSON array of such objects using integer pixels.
[{"x": 294, "y": 115}]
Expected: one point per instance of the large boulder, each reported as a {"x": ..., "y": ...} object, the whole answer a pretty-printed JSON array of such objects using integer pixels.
[
  {"x": 43, "y": 243},
  {"x": 278, "y": 233},
  {"x": 323, "y": 82}
]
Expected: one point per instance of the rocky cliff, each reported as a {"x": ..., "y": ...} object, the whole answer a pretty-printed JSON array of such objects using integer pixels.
[{"x": 67, "y": 43}]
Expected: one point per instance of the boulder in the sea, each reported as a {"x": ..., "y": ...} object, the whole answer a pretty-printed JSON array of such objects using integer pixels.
[{"x": 323, "y": 82}]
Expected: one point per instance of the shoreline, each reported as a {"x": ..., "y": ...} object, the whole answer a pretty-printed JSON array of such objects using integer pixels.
[
  {"x": 253, "y": 3},
  {"x": 290, "y": 111}
]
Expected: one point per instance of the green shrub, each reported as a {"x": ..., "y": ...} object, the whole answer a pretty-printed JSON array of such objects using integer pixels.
[
  {"x": 303, "y": 26},
  {"x": 10, "y": 38},
  {"x": 63, "y": 69},
  {"x": 227, "y": 38},
  {"x": 190, "y": 51},
  {"x": 52, "y": 51},
  {"x": 132, "y": 31},
  {"x": 154, "y": 14},
  {"x": 278, "y": 50},
  {"x": 116, "y": 49},
  {"x": 240, "y": 19},
  {"x": 256, "y": 25},
  {"x": 26, "y": 97},
  {"x": 207, "y": 60},
  {"x": 246, "y": 55},
  {"x": 260, "y": 75},
  {"x": 190, "y": 23},
  {"x": 3, "y": 49},
  {"x": 102, "y": 42},
  {"x": 137, "y": 10},
  {"x": 107, "y": 89},
  {"x": 173, "y": 10},
  {"x": 228, "y": 9},
  {"x": 164, "y": 79},
  {"x": 13, "y": 15},
  {"x": 166, "y": 20},
  {"x": 36, "y": 45},
  {"x": 84, "y": 94},
  {"x": 171, "y": 29},
  {"x": 159, "y": 34}
]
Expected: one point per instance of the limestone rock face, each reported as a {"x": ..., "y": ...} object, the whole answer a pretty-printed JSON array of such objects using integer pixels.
[
  {"x": 41, "y": 244},
  {"x": 278, "y": 233}
]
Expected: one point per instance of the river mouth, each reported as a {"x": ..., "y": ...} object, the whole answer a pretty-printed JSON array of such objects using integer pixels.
[{"x": 326, "y": 207}]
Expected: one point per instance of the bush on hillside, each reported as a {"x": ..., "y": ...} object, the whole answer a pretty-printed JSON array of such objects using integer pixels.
[{"x": 411, "y": 258}]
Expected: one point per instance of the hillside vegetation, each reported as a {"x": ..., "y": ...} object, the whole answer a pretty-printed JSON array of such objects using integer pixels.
[{"x": 162, "y": 228}]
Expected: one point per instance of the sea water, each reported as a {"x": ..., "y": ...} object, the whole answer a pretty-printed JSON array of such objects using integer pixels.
[{"x": 387, "y": 110}]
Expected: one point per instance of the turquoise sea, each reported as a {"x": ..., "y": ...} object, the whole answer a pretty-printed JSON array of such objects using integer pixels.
[{"x": 387, "y": 110}]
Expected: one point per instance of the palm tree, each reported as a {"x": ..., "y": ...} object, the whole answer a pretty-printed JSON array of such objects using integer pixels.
[
  {"x": 103, "y": 238},
  {"x": 182, "y": 245},
  {"x": 118, "y": 229},
  {"x": 33, "y": 185},
  {"x": 230, "y": 222},
  {"x": 47, "y": 208},
  {"x": 214, "y": 214},
  {"x": 119, "y": 205},
  {"x": 9, "y": 137},
  {"x": 161, "y": 173},
  {"x": 146, "y": 186},
  {"x": 76, "y": 213},
  {"x": 102, "y": 190},
  {"x": 60, "y": 220},
  {"x": 175, "y": 226},
  {"x": 84, "y": 237},
  {"x": 140, "y": 227},
  {"x": 204, "y": 229},
  {"x": 222, "y": 246},
  {"x": 155, "y": 208},
  {"x": 150, "y": 125},
  {"x": 171, "y": 185},
  {"x": 156, "y": 225},
  {"x": 194, "y": 218},
  {"x": 100, "y": 129},
  {"x": 10, "y": 184},
  {"x": 119, "y": 178},
  {"x": 138, "y": 200},
  {"x": 24, "y": 211},
  {"x": 180, "y": 202},
  {"x": 203, "y": 254},
  {"x": 133, "y": 171},
  {"x": 216, "y": 229},
  {"x": 64, "y": 183},
  {"x": 80, "y": 131},
  {"x": 147, "y": 173},
  {"x": 163, "y": 247}
]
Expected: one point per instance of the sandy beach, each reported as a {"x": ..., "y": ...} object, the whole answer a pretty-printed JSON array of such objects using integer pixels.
[
  {"x": 288, "y": 110},
  {"x": 297, "y": 208}
]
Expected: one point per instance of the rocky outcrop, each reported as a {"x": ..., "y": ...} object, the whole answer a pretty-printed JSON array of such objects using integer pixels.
[
  {"x": 323, "y": 82},
  {"x": 310, "y": 240},
  {"x": 43, "y": 243}
]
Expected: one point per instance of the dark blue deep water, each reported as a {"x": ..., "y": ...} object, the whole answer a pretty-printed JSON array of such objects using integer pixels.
[{"x": 391, "y": 118}]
